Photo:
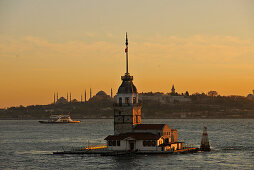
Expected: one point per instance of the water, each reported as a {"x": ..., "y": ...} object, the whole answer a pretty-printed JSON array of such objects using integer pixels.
[{"x": 27, "y": 144}]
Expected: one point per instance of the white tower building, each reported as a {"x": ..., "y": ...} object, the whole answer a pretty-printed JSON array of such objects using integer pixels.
[{"x": 127, "y": 109}]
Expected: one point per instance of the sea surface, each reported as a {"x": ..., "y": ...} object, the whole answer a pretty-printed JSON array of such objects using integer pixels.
[{"x": 27, "y": 144}]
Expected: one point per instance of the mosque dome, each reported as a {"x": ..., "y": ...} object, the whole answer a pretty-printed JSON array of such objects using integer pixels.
[
  {"x": 250, "y": 96},
  {"x": 101, "y": 93},
  {"x": 61, "y": 100}
]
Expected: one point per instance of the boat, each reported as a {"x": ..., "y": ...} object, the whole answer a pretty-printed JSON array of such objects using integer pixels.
[{"x": 60, "y": 118}]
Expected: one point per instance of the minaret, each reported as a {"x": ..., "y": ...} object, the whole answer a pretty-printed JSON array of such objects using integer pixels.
[
  {"x": 205, "y": 146},
  {"x": 57, "y": 96},
  {"x": 127, "y": 109},
  {"x": 90, "y": 93},
  {"x": 111, "y": 93},
  {"x": 67, "y": 97},
  {"x": 173, "y": 90},
  {"x": 54, "y": 98},
  {"x": 70, "y": 96},
  {"x": 81, "y": 98},
  {"x": 85, "y": 95}
]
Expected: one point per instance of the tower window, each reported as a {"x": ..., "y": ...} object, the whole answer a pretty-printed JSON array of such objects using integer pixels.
[
  {"x": 134, "y": 100},
  {"x": 120, "y": 101},
  {"x": 127, "y": 100},
  {"x": 118, "y": 142}
]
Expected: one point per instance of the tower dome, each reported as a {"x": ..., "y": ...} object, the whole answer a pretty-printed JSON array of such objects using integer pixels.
[{"x": 127, "y": 86}]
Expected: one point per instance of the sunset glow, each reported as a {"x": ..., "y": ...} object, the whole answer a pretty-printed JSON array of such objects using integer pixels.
[{"x": 69, "y": 46}]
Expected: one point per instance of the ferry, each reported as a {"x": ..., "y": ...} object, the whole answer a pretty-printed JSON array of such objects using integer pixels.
[{"x": 60, "y": 118}]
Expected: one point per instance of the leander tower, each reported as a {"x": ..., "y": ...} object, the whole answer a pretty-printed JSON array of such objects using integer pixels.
[{"x": 127, "y": 109}]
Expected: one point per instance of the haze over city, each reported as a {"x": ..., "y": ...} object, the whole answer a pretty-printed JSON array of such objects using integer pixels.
[{"x": 69, "y": 46}]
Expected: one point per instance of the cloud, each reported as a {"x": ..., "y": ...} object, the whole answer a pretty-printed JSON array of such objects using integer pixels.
[
  {"x": 197, "y": 49},
  {"x": 39, "y": 48},
  {"x": 202, "y": 47}
]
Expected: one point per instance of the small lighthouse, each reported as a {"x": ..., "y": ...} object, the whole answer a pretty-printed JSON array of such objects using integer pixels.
[{"x": 205, "y": 146}]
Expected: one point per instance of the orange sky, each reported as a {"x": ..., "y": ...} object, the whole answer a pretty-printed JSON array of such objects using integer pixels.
[{"x": 62, "y": 46}]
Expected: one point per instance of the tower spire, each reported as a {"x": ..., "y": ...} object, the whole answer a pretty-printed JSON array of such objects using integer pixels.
[
  {"x": 126, "y": 51},
  {"x": 173, "y": 90}
]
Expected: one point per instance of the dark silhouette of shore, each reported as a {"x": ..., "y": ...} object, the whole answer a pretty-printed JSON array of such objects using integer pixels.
[{"x": 200, "y": 106}]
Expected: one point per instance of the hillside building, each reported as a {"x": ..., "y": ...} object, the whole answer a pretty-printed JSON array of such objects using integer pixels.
[{"x": 251, "y": 96}]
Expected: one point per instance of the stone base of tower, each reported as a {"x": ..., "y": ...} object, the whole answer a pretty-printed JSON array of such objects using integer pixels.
[{"x": 125, "y": 117}]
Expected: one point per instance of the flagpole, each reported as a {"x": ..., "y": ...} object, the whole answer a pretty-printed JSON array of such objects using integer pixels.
[{"x": 126, "y": 51}]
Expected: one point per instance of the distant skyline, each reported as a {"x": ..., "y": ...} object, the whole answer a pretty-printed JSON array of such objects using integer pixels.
[{"x": 68, "y": 46}]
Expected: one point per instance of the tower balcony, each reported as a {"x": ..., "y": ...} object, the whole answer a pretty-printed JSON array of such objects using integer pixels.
[
  {"x": 127, "y": 77},
  {"x": 127, "y": 105}
]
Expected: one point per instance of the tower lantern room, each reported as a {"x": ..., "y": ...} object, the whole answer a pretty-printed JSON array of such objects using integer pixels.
[{"x": 127, "y": 109}]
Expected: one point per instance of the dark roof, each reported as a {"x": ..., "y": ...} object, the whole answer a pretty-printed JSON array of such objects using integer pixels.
[
  {"x": 149, "y": 126},
  {"x": 137, "y": 136},
  {"x": 127, "y": 85}
]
